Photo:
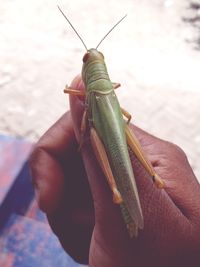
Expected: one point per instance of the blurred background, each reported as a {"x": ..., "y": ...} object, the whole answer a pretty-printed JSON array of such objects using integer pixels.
[{"x": 154, "y": 53}]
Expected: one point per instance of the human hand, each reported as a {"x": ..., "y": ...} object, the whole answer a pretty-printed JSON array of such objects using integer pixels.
[{"x": 171, "y": 234}]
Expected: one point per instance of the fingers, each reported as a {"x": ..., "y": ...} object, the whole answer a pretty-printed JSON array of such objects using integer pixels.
[
  {"x": 62, "y": 188},
  {"x": 47, "y": 172},
  {"x": 181, "y": 183},
  {"x": 77, "y": 105},
  {"x": 171, "y": 163}
]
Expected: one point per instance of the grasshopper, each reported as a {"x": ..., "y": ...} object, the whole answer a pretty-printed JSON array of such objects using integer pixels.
[{"x": 110, "y": 135}]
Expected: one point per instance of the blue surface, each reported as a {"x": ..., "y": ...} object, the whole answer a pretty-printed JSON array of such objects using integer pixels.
[
  {"x": 18, "y": 197},
  {"x": 29, "y": 243},
  {"x": 26, "y": 239}
]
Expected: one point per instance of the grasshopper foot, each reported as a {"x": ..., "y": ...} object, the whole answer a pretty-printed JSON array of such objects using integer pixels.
[
  {"x": 117, "y": 198},
  {"x": 158, "y": 181}
]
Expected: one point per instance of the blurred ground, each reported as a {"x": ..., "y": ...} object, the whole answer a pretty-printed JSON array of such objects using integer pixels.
[{"x": 151, "y": 54}]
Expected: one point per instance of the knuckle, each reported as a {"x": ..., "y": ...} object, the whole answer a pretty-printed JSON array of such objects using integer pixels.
[
  {"x": 176, "y": 151},
  {"x": 34, "y": 162},
  {"x": 35, "y": 155}
]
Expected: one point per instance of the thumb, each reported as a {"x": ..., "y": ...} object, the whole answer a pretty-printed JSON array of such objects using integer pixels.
[{"x": 102, "y": 196}]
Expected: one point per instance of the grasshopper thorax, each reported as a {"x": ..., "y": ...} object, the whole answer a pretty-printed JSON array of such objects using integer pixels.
[{"x": 94, "y": 68}]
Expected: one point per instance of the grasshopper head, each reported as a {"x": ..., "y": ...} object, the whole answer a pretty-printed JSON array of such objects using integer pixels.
[{"x": 92, "y": 55}]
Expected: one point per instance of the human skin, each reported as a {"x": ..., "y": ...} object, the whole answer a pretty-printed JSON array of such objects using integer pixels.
[{"x": 72, "y": 190}]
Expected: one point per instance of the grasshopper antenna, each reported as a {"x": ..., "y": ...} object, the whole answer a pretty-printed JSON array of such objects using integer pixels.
[
  {"x": 73, "y": 28},
  {"x": 110, "y": 31}
]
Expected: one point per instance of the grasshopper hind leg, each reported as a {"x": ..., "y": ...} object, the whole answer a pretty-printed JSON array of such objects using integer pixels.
[
  {"x": 105, "y": 166},
  {"x": 83, "y": 129},
  {"x": 135, "y": 146},
  {"x": 103, "y": 161}
]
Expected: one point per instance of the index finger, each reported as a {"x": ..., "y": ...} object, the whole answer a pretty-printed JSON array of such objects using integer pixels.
[
  {"x": 47, "y": 173},
  {"x": 46, "y": 170}
]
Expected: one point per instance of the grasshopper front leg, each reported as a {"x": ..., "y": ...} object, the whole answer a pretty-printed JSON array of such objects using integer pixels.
[
  {"x": 126, "y": 114},
  {"x": 116, "y": 85},
  {"x": 72, "y": 91}
]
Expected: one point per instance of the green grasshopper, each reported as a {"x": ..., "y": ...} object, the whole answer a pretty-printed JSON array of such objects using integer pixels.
[{"x": 111, "y": 136}]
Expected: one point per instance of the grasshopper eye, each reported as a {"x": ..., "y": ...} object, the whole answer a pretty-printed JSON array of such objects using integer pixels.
[{"x": 86, "y": 57}]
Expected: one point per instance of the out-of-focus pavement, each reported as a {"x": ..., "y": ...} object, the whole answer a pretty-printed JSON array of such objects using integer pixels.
[{"x": 147, "y": 53}]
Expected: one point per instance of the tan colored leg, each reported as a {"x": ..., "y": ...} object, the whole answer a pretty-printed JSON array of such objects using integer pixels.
[
  {"x": 137, "y": 149},
  {"x": 126, "y": 114},
  {"x": 83, "y": 129},
  {"x": 72, "y": 91},
  {"x": 116, "y": 85},
  {"x": 102, "y": 159}
]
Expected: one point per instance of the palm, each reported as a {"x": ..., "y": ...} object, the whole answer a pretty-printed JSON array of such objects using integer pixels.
[{"x": 171, "y": 235}]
